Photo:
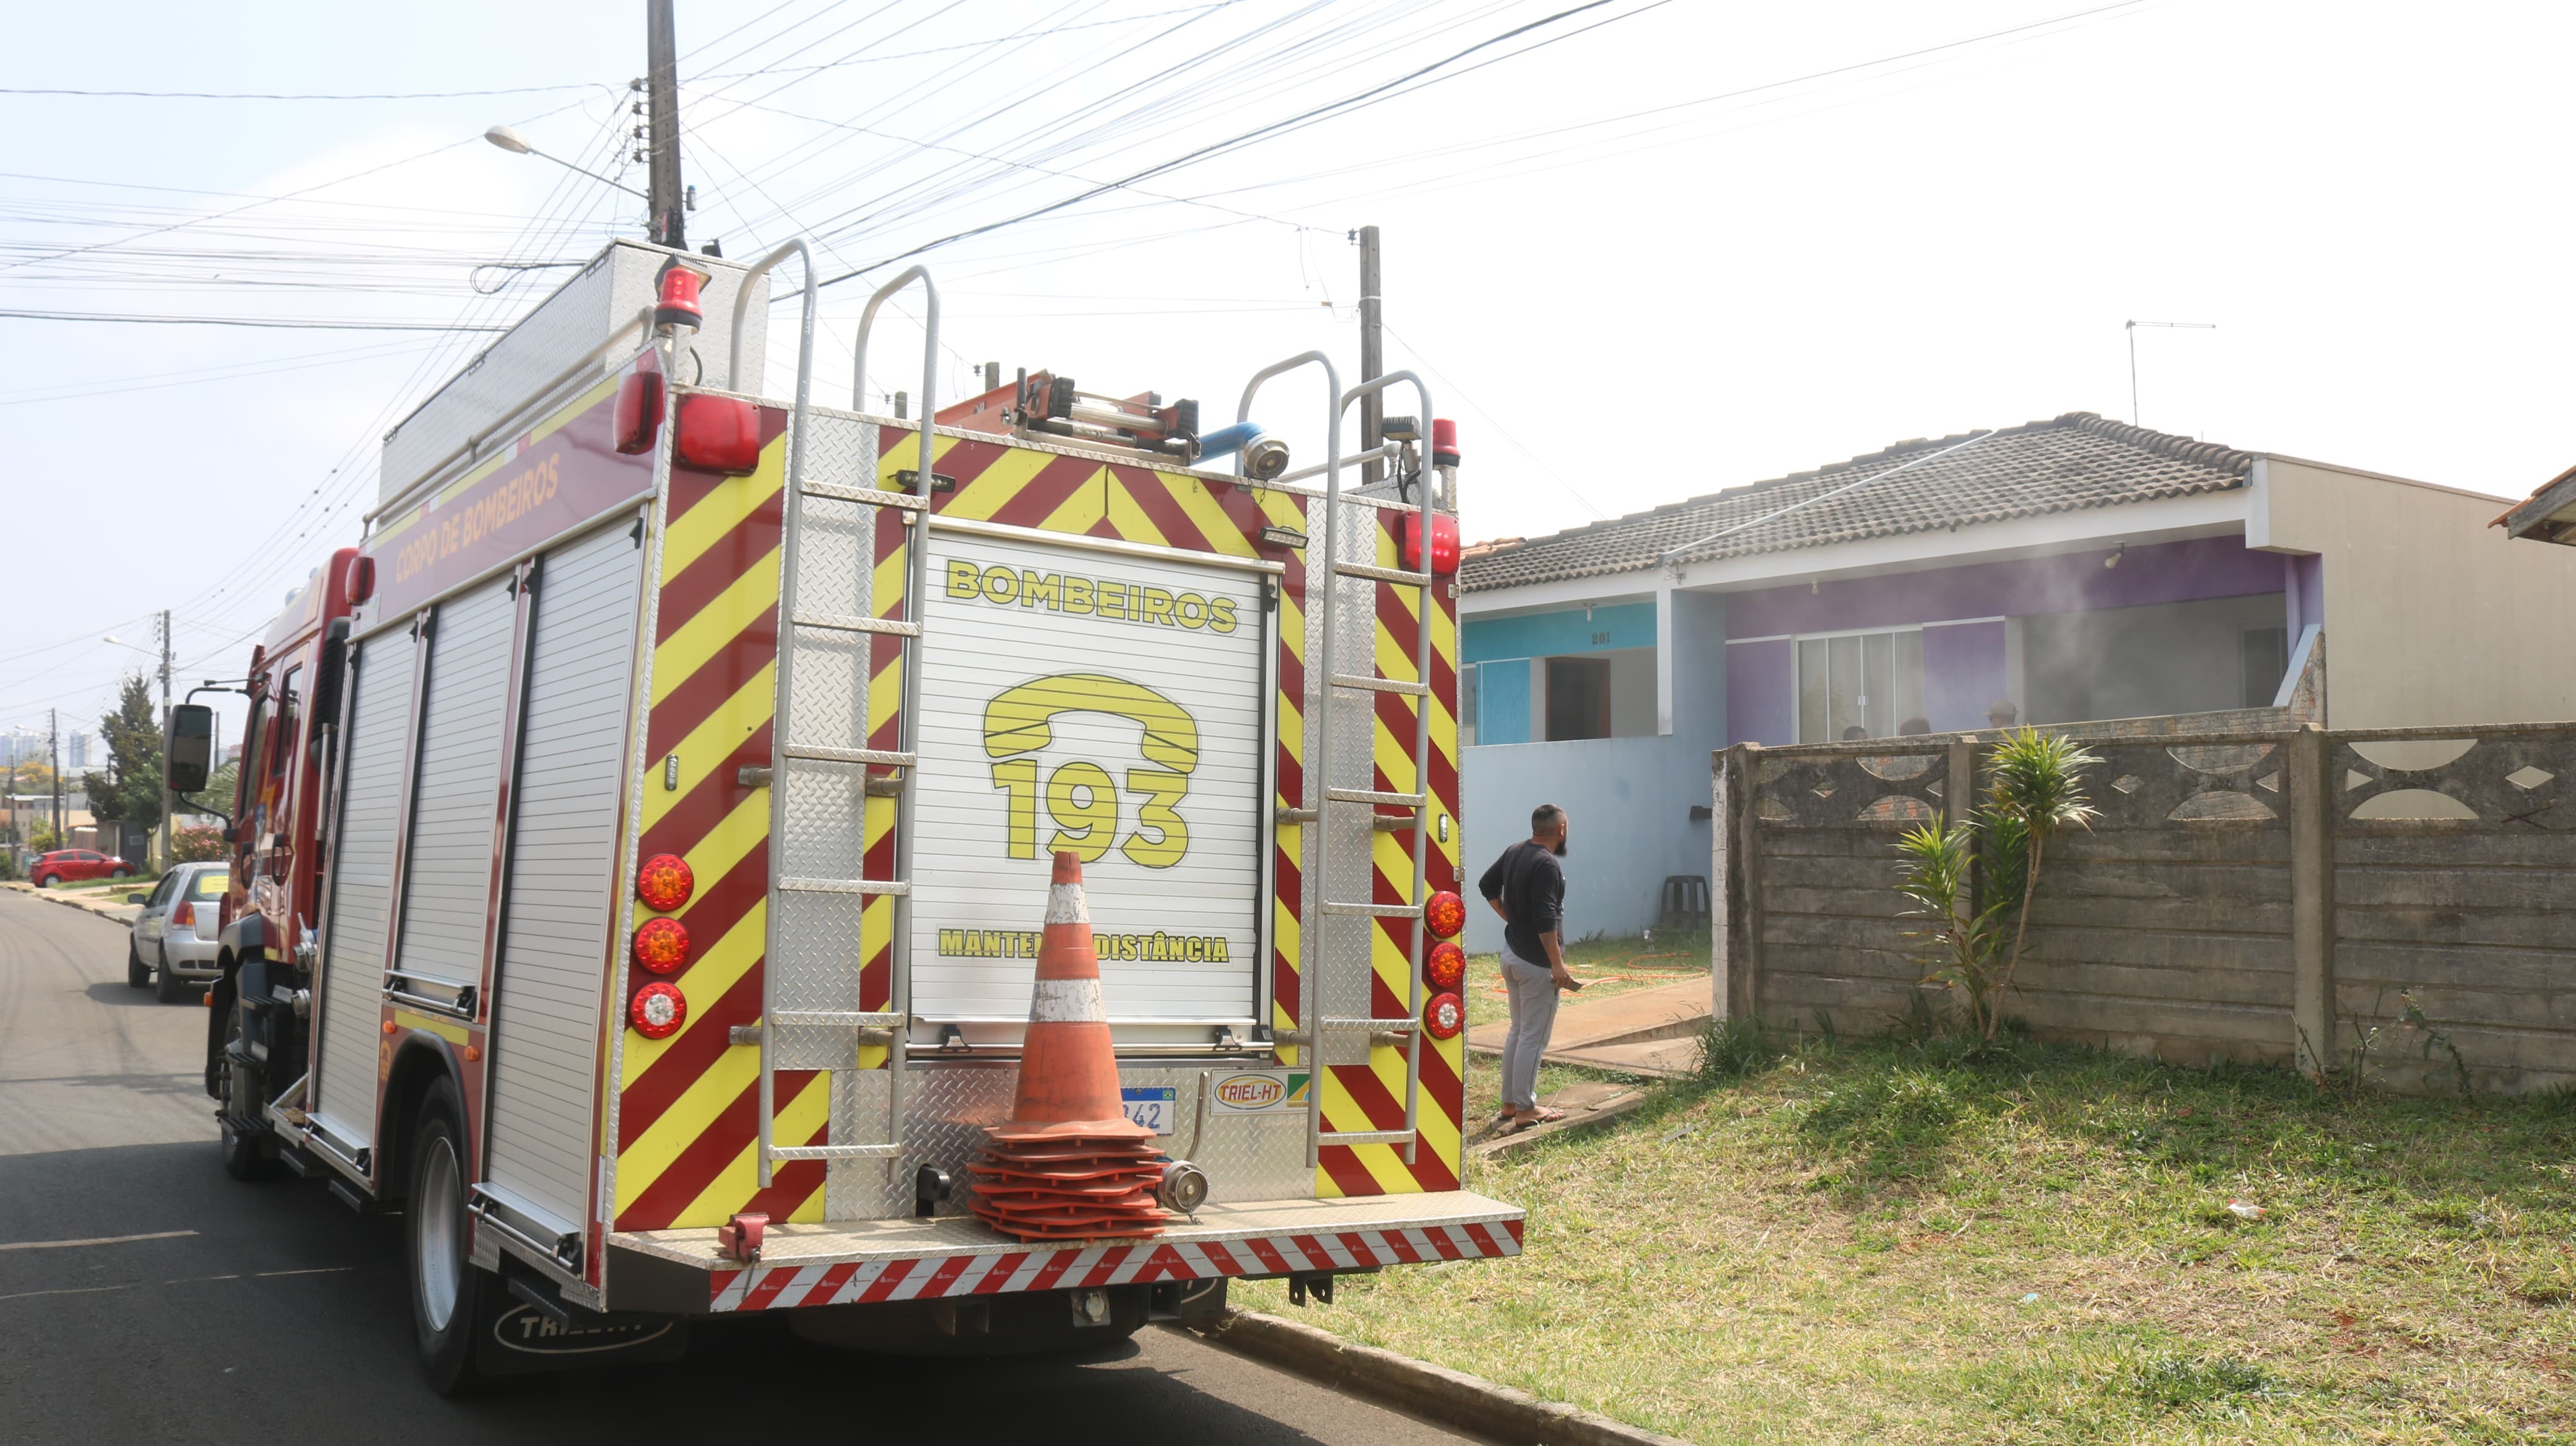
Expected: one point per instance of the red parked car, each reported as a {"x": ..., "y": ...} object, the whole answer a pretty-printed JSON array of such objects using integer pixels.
[{"x": 65, "y": 866}]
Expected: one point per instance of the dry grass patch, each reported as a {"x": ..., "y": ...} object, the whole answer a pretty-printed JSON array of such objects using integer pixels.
[{"x": 1872, "y": 1241}]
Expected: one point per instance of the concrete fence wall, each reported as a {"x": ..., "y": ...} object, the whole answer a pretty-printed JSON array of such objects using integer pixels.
[{"x": 2266, "y": 896}]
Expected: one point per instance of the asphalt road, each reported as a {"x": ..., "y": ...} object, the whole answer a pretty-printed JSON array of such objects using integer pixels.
[{"x": 146, "y": 1297}]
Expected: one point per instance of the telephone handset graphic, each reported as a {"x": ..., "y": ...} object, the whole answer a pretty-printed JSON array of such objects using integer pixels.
[{"x": 1081, "y": 799}]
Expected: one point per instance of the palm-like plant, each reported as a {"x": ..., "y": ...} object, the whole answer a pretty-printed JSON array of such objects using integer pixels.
[
  {"x": 2035, "y": 790},
  {"x": 1936, "y": 860}
]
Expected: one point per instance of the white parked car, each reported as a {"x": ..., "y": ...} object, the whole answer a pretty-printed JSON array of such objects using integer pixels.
[{"x": 173, "y": 943}]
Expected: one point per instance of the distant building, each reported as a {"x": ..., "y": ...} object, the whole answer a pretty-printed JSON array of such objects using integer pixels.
[
  {"x": 2071, "y": 570},
  {"x": 76, "y": 751}
]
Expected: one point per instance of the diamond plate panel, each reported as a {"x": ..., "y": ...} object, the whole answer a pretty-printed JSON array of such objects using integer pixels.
[
  {"x": 1348, "y": 943},
  {"x": 818, "y": 945},
  {"x": 836, "y": 558},
  {"x": 826, "y": 824},
  {"x": 947, "y": 1104},
  {"x": 841, "y": 450}
]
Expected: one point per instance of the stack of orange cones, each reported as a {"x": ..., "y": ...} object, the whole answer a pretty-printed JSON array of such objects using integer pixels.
[{"x": 1069, "y": 1165}]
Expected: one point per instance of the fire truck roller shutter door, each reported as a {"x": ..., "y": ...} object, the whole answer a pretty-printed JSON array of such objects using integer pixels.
[
  {"x": 448, "y": 869},
  {"x": 352, "y": 982},
  {"x": 1109, "y": 703},
  {"x": 561, "y": 900}
]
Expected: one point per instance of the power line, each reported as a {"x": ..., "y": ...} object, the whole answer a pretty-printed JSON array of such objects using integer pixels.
[
  {"x": 245, "y": 321},
  {"x": 1343, "y": 106},
  {"x": 261, "y": 95}
]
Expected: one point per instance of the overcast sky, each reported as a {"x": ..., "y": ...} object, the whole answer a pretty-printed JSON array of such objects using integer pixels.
[{"x": 1660, "y": 250}]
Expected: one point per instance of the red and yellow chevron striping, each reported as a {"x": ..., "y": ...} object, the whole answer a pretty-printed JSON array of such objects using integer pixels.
[
  {"x": 788, "y": 1286},
  {"x": 685, "y": 1118}
]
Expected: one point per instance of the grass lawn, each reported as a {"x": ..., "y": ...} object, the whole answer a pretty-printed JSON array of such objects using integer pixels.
[
  {"x": 1869, "y": 1241},
  {"x": 1606, "y": 967}
]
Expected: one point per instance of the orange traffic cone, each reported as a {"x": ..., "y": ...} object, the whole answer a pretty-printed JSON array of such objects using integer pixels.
[{"x": 1069, "y": 1164}]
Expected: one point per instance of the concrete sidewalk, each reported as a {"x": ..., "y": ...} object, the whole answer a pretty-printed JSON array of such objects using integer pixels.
[
  {"x": 106, "y": 903},
  {"x": 1643, "y": 1031}
]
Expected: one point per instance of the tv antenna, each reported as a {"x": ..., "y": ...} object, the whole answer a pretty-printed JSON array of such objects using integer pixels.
[{"x": 2133, "y": 355}]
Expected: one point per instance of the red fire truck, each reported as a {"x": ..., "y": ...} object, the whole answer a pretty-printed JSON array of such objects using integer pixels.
[{"x": 643, "y": 837}]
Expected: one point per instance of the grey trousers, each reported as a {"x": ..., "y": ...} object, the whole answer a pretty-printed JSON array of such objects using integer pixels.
[{"x": 1533, "y": 997}]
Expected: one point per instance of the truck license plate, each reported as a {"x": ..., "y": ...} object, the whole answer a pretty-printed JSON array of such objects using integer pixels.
[{"x": 1152, "y": 1107}]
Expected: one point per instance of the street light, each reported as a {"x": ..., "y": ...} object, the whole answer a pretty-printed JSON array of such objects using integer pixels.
[{"x": 517, "y": 145}]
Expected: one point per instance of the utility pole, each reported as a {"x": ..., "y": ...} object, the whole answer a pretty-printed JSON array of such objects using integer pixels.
[
  {"x": 54, "y": 754},
  {"x": 1372, "y": 356},
  {"x": 669, "y": 226},
  {"x": 161, "y": 840}
]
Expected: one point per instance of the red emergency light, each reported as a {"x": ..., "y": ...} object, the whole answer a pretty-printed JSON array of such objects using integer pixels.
[
  {"x": 362, "y": 579},
  {"x": 678, "y": 308},
  {"x": 639, "y": 406},
  {"x": 1444, "y": 543},
  {"x": 1444, "y": 1016},
  {"x": 658, "y": 1010},
  {"x": 719, "y": 434},
  {"x": 662, "y": 945},
  {"x": 1446, "y": 914},
  {"x": 665, "y": 882},
  {"x": 1444, "y": 442},
  {"x": 1445, "y": 965}
]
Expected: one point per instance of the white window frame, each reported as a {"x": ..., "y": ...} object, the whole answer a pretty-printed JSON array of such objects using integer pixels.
[{"x": 1797, "y": 700}]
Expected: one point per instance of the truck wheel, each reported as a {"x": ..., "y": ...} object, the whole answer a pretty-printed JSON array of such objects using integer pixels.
[
  {"x": 138, "y": 975},
  {"x": 169, "y": 987},
  {"x": 446, "y": 1289}
]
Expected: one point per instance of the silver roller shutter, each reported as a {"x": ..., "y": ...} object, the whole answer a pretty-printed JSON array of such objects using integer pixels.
[
  {"x": 561, "y": 896},
  {"x": 447, "y": 883},
  {"x": 352, "y": 984}
]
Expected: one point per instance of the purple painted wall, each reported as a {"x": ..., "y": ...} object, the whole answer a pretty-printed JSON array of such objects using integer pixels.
[
  {"x": 2069, "y": 582},
  {"x": 1963, "y": 674},
  {"x": 1759, "y": 707}
]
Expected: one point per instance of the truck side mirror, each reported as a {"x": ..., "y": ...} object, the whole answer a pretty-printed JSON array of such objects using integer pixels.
[{"x": 190, "y": 751}]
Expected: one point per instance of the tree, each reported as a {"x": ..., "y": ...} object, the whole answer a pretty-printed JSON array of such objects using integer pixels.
[
  {"x": 130, "y": 790},
  {"x": 220, "y": 787}
]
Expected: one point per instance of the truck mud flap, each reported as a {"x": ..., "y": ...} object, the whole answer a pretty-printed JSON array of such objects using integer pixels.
[{"x": 528, "y": 1329}]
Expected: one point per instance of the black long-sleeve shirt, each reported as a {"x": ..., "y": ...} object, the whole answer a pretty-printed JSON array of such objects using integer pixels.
[{"x": 1531, "y": 887}]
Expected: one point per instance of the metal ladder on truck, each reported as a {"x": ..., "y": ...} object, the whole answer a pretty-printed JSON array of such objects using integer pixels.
[
  {"x": 1320, "y": 797},
  {"x": 830, "y": 817}
]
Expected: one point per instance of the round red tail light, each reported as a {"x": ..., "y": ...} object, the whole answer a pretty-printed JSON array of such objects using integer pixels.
[
  {"x": 1446, "y": 914},
  {"x": 1445, "y": 965},
  {"x": 664, "y": 882},
  {"x": 662, "y": 945},
  {"x": 658, "y": 1010},
  {"x": 1444, "y": 1016}
]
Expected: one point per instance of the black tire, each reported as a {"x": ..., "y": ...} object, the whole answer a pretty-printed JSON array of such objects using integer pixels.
[
  {"x": 446, "y": 1289},
  {"x": 138, "y": 975},
  {"x": 49, "y": 881},
  {"x": 246, "y": 1156},
  {"x": 168, "y": 987},
  {"x": 120, "y": 873}
]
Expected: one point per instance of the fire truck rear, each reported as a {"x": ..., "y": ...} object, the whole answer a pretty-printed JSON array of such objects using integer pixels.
[{"x": 644, "y": 837}]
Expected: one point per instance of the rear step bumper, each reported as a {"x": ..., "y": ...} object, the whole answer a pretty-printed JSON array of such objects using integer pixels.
[{"x": 862, "y": 1262}]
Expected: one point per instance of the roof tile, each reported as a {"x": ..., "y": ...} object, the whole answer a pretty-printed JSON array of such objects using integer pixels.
[{"x": 2070, "y": 463}]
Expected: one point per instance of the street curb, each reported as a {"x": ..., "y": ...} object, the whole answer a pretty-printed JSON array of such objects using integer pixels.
[
  {"x": 109, "y": 912},
  {"x": 1446, "y": 1397}
]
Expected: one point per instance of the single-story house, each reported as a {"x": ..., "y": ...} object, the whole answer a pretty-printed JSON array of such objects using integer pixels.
[{"x": 2070, "y": 570}]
